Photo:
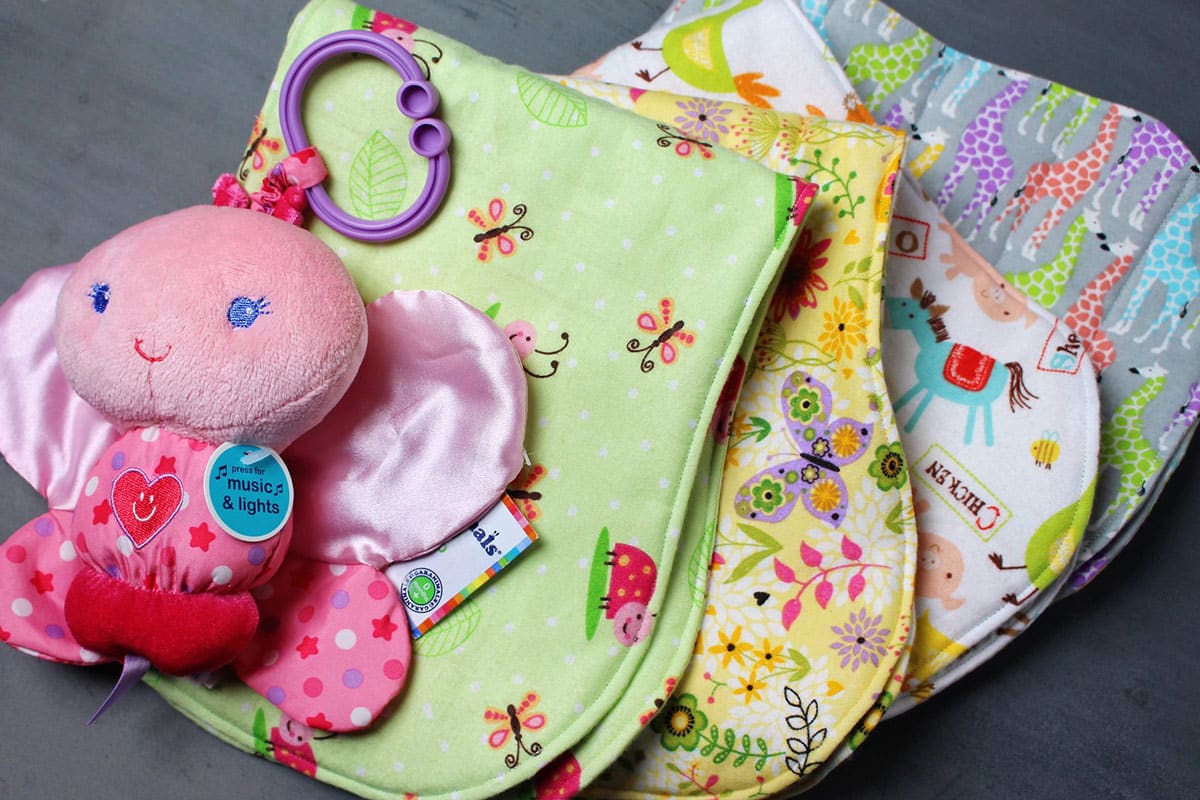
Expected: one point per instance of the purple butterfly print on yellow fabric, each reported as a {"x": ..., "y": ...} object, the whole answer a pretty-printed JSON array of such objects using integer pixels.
[{"x": 815, "y": 474}]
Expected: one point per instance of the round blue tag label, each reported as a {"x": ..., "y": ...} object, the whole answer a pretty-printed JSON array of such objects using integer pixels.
[{"x": 248, "y": 490}]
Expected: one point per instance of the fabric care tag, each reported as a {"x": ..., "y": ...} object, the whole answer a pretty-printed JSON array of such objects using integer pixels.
[
  {"x": 435, "y": 584},
  {"x": 249, "y": 491}
]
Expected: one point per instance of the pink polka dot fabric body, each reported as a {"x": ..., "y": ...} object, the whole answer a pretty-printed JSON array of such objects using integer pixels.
[
  {"x": 161, "y": 538},
  {"x": 333, "y": 645},
  {"x": 187, "y": 550},
  {"x": 41, "y": 561}
]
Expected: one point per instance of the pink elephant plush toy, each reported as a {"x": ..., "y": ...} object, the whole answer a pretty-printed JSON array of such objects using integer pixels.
[{"x": 148, "y": 392}]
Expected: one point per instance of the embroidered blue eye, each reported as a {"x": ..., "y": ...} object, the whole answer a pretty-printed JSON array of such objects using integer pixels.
[
  {"x": 100, "y": 294},
  {"x": 243, "y": 311}
]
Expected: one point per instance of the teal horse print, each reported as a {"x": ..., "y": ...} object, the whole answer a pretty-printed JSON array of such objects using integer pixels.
[{"x": 952, "y": 371}]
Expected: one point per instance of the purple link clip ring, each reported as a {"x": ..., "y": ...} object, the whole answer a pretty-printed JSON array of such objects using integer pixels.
[{"x": 417, "y": 100}]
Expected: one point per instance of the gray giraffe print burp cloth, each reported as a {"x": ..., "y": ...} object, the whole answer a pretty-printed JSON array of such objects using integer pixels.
[{"x": 1088, "y": 207}]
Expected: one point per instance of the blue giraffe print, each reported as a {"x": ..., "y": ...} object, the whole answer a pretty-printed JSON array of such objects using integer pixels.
[
  {"x": 979, "y": 68},
  {"x": 1170, "y": 260},
  {"x": 939, "y": 68},
  {"x": 816, "y": 11}
]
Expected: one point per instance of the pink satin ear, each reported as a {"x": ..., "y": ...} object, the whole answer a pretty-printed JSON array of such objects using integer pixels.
[
  {"x": 37, "y": 565},
  {"x": 332, "y": 647},
  {"x": 46, "y": 430},
  {"x": 424, "y": 442}
]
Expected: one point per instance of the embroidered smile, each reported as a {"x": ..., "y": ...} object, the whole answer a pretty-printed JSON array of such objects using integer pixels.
[
  {"x": 141, "y": 498},
  {"x": 137, "y": 345}
]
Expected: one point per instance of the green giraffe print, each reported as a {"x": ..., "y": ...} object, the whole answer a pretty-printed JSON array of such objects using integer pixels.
[
  {"x": 1187, "y": 335},
  {"x": 1045, "y": 284},
  {"x": 1053, "y": 96},
  {"x": 888, "y": 65},
  {"x": 1123, "y": 446}
]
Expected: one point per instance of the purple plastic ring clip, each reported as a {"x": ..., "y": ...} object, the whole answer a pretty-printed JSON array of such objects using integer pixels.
[{"x": 417, "y": 99}]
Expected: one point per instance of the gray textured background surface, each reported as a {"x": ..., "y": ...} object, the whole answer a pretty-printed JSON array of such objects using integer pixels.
[{"x": 113, "y": 112}]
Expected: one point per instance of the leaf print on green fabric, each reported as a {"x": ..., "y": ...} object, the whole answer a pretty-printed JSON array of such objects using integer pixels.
[
  {"x": 378, "y": 179},
  {"x": 597, "y": 583},
  {"x": 698, "y": 565},
  {"x": 259, "y": 731},
  {"x": 550, "y": 103},
  {"x": 451, "y": 633}
]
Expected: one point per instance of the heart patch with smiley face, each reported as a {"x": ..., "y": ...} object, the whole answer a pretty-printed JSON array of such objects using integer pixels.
[{"x": 144, "y": 507}]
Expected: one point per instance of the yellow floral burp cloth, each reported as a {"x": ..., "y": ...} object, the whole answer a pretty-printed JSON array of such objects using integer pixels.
[{"x": 810, "y": 594}]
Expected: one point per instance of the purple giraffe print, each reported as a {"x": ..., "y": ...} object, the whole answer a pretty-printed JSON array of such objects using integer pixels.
[
  {"x": 981, "y": 150},
  {"x": 1185, "y": 416},
  {"x": 1149, "y": 141},
  {"x": 900, "y": 115}
]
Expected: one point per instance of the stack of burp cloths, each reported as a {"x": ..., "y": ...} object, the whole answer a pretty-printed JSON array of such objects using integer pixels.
[
  {"x": 872, "y": 462},
  {"x": 945, "y": 304}
]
